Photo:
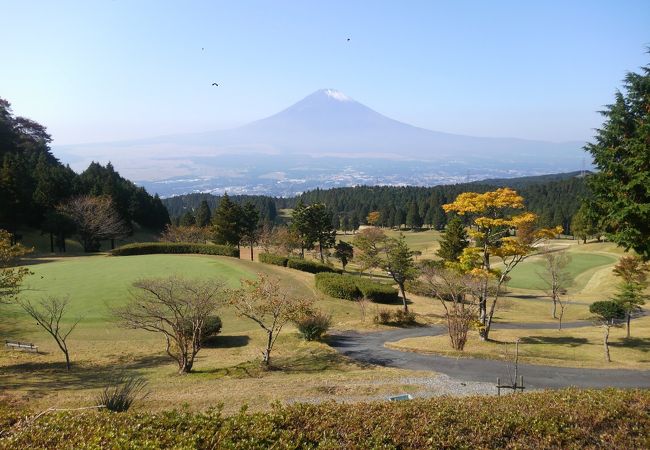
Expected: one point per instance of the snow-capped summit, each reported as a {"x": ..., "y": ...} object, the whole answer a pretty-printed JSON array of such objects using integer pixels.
[{"x": 337, "y": 95}]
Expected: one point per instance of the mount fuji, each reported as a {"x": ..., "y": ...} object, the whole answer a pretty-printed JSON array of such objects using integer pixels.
[{"x": 326, "y": 139}]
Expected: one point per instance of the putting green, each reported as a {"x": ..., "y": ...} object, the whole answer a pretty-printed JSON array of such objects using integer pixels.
[{"x": 527, "y": 274}]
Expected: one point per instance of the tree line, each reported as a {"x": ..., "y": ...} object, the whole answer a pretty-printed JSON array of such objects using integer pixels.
[
  {"x": 555, "y": 199},
  {"x": 34, "y": 183}
]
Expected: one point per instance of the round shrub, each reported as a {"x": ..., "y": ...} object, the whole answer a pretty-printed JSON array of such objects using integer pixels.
[
  {"x": 211, "y": 327},
  {"x": 337, "y": 286},
  {"x": 313, "y": 325}
]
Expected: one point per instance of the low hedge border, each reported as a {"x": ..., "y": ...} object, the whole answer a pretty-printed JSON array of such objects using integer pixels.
[
  {"x": 306, "y": 265},
  {"x": 350, "y": 287},
  {"x": 270, "y": 258},
  {"x": 568, "y": 418},
  {"x": 152, "y": 248}
]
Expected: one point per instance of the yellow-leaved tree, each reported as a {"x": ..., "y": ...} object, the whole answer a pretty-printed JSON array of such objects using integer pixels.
[{"x": 499, "y": 227}]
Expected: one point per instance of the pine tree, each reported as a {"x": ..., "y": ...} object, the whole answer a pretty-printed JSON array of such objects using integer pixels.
[
  {"x": 454, "y": 240},
  {"x": 413, "y": 219},
  {"x": 344, "y": 252},
  {"x": 227, "y": 222},
  {"x": 188, "y": 219},
  {"x": 250, "y": 225},
  {"x": 203, "y": 214},
  {"x": 621, "y": 187}
]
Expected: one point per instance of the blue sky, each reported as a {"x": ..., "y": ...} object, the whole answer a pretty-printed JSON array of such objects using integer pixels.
[{"x": 110, "y": 70}]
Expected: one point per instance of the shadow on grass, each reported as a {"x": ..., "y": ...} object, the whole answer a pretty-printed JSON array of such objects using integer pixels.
[
  {"x": 306, "y": 362},
  {"x": 642, "y": 344},
  {"x": 555, "y": 340},
  {"x": 39, "y": 378},
  {"x": 227, "y": 341}
]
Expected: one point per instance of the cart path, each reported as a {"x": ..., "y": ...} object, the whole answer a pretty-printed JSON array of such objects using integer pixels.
[{"x": 370, "y": 348}]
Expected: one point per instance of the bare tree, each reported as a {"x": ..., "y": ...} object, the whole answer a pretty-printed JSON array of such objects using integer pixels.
[
  {"x": 175, "y": 307},
  {"x": 458, "y": 294},
  {"x": 95, "y": 218},
  {"x": 264, "y": 302},
  {"x": 48, "y": 314},
  {"x": 190, "y": 233},
  {"x": 562, "y": 302},
  {"x": 555, "y": 275}
]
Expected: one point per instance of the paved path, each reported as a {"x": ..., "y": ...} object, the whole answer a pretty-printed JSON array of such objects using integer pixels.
[{"x": 369, "y": 348}]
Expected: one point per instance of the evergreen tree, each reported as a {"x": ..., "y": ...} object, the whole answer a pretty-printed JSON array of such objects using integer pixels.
[
  {"x": 454, "y": 240},
  {"x": 203, "y": 214},
  {"x": 583, "y": 224},
  {"x": 400, "y": 265},
  {"x": 227, "y": 222},
  {"x": 621, "y": 187},
  {"x": 344, "y": 252},
  {"x": 319, "y": 223},
  {"x": 413, "y": 219},
  {"x": 250, "y": 219},
  {"x": 188, "y": 219}
]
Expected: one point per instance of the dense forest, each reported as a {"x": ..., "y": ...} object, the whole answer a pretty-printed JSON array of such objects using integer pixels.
[
  {"x": 554, "y": 198},
  {"x": 33, "y": 182}
]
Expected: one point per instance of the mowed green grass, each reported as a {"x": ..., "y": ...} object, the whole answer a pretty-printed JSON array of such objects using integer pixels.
[
  {"x": 527, "y": 274},
  {"x": 94, "y": 284}
]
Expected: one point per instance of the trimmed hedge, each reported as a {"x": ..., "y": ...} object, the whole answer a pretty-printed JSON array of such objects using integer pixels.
[
  {"x": 152, "y": 248},
  {"x": 351, "y": 288},
  {"x": 338, "y": 286},
  {"x": 270, "y": 258},
  {"x": 568, "y": 418},
  {"x": 310, "y": 266},
  {"x": 377, "y": 292}
]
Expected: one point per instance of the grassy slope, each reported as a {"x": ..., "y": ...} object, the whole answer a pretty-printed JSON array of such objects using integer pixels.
[{"x": 225, "y": 371}]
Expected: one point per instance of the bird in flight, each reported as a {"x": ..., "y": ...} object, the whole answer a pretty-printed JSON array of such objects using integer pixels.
[
  {"x": 348, "y": 39},
  {"x": 215, "y": 84},
  {"x": 202, "y": 48}
]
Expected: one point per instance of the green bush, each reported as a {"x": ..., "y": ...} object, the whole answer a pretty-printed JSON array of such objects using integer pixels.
[
  {"x": 306, "y": 265},
  {"x": 151, "y": 248},
  {"x": 351, "y": 287},
  {"x": 338, "y": 286},
  {"x": 377, "y": 292},
  {"x": 313, "y": 325},
  {"x": 270, "y": 258},
  {"x": 568, "y": 418}
]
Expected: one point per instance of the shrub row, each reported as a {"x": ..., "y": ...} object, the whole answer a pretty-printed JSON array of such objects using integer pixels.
[
  {"x": 310, "y": 266},
  {"x": 270, "y": 258},
  {"x": 351, "y": 288},
  {"x": 377, "y": 292},
  {"x": 567, "y": 418},
  {"x": 150, "y": 248},
  {"x": 304, "y": 265}
]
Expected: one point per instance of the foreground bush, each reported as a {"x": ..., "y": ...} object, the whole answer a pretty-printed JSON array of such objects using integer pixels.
[
  {"x": 542, "y": 420},
  {"x": 150, "y": 248},
  {"x": 313, "y": 325},
  {"x": 338, "y": 286},
  {"x": 270, "y": 258},
  {"x": 306, "y": 265}
]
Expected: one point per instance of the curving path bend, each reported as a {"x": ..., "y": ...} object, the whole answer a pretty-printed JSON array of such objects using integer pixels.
[{"x": 369, "y": 348}]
